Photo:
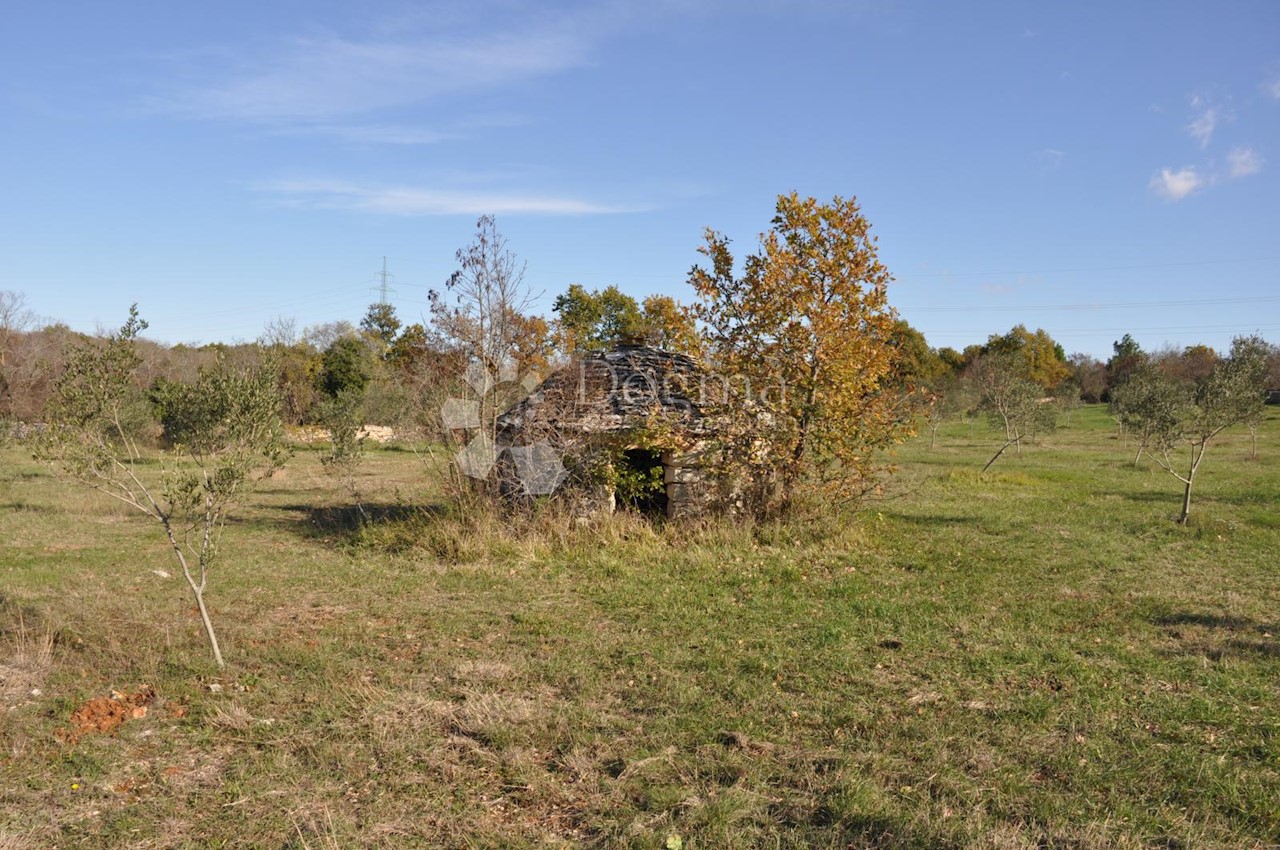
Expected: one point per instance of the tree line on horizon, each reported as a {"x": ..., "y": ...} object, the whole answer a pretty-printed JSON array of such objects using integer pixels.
[{"x": 402, "y": 371}]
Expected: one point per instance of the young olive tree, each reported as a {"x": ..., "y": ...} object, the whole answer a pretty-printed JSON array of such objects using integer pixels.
[
  {"x": 1067, "y": 396},
  {"x": 951, "y": 397},
  {"x": 1011, "y": 400},
  {"x": 224, "y": 433},
  {"x": 1148, "y": 404},
  {"x": 1270, "y": 387},
  {"x": 1232, "y": 393},
  {"x": 343, "y": 417}
]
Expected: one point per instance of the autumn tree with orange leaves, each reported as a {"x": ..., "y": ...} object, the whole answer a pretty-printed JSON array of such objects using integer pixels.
[{"x": 807, "y": 329}]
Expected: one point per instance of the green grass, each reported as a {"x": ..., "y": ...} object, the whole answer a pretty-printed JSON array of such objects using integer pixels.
[{"x": 1034, "y": 657}]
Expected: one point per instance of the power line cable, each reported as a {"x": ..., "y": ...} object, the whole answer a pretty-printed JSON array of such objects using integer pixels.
[
  {"x": 1097, "y": 305},
  {"x": 1082, "y": 269}
]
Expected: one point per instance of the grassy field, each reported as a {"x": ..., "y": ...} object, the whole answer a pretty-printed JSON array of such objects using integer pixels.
[{"x": 1032, "y": 658}]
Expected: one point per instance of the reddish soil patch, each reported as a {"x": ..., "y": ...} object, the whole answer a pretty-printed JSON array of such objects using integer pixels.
[{"x": 103, "y": 715}]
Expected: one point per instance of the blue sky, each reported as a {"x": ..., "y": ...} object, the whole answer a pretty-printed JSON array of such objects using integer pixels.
[{"x": 1088, "y": 168}]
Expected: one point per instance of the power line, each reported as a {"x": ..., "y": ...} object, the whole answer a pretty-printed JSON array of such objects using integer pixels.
[
  {"x": 1097, "y": 305},
  {"x": 1237, "y": 328},
  {"x": 1082, "y": 269}
]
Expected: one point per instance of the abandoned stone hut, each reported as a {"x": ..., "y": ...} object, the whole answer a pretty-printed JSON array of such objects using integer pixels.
[{"x": 631, "y": 428}]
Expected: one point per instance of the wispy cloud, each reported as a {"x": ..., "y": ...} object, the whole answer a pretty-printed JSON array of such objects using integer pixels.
[
  {"x": 1205, "y": 120},
  {"x": 419, "y": 201},
  {"x": 1271, "y": 87},
  {"x": 321, "y": 79},
  {"x": 1051, "y": 158},
  {"x": 1176, "y": 185},
  {"x": 1244, "y": 161},
  {"x": 373, "y": 133},
  {"x": 1202, "y": 126},
  {"x": 381, "y": 134},
  {"x": 328, "y": 82}
]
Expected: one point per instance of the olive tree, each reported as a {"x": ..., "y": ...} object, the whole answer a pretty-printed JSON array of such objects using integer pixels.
[
  {"x": 343, "y": 418},
  {"x": 949, "y": 397},
  {"x": 1232, "y": 392},
  {"x": 1147, "y": 404},
  {"x": 223, "y": 433},
  {"x": 1270, "y": 387},
  {"x": 1011, "y": 400}
]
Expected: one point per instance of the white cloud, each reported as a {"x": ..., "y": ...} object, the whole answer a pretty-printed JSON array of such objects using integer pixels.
[
  {"x": 412, "y": 200},
  {"x": 1271, "y": 88},
  {"x": 1176, "y": 185},
  {"x": 1243, "y": 161},
  {"x": 1208, "y": 114},
  {"x": 1202, "y": 126}
]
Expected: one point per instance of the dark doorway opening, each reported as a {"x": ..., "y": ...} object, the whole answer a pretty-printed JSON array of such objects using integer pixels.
[{"x": 640, "y": 485}]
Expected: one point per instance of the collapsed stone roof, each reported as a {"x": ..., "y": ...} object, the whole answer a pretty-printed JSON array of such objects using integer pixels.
[{"x": 608, "y": 392}]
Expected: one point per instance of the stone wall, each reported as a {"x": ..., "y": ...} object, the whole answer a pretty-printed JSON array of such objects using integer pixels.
[
  {"x": 690, "y": 488},
  {"x": 597, "y": 500}
]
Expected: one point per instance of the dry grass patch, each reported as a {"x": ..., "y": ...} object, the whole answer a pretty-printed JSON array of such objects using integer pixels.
[
  {"x": 233, "y": 717},
  {"x": 10, "y": 840},
  {"x": 26, "y": 658},
  {"x": 479, "y": 672}
]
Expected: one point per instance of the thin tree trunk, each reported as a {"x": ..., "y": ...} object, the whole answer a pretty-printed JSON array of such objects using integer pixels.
[
  {"x": 997, "y": 454},
  {"x": 208, "y": 628},
  {"x": 1186, "y": 502},
  {"x": 197, "y": 590},
  {"x": 1196, "y": 457}
]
